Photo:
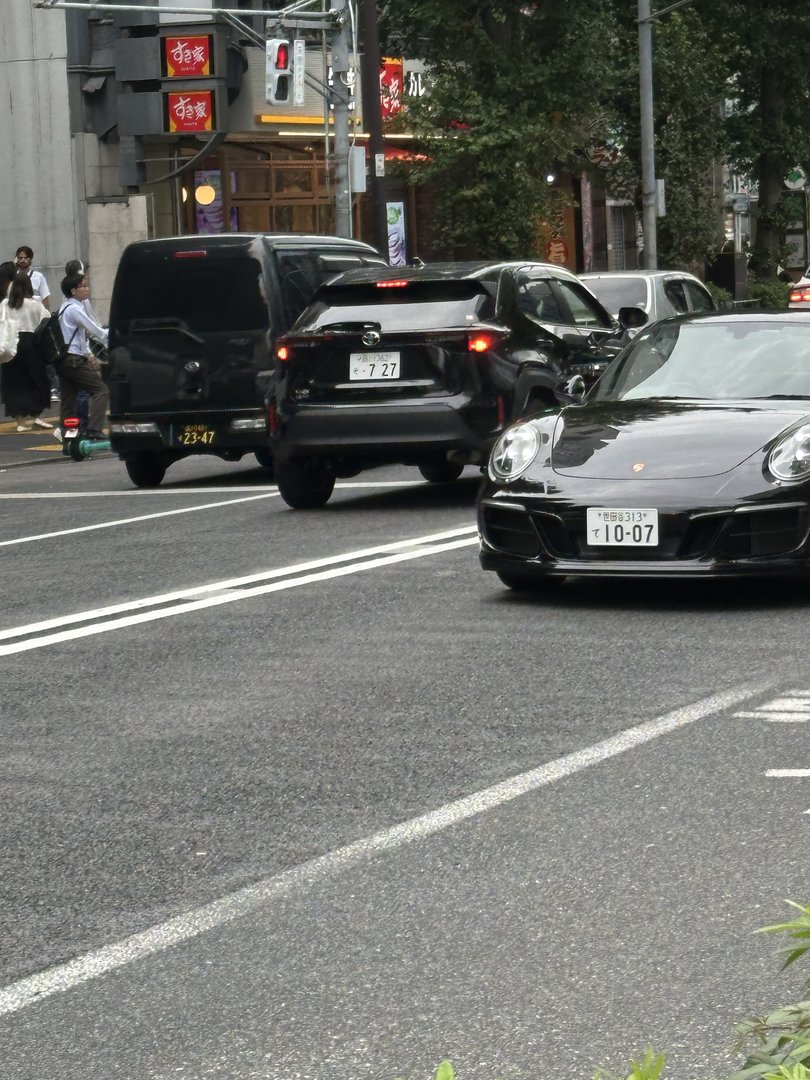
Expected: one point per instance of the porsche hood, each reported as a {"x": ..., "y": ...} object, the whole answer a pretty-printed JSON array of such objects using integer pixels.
[{"x": 655, "y": 439}]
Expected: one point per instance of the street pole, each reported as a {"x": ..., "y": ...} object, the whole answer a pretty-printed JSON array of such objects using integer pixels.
[
  {"x": 648, "y": 184},
  {"x": 372, "y": 122},
  {"x": 340, "y": 100}
]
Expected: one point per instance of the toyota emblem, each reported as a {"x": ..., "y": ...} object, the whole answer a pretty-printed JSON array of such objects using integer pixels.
[{"x": 371, "y": 337}]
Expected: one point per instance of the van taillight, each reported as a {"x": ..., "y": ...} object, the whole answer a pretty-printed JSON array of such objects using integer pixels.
[
  {"x": 800, "y": 295},
  {"x": 283, "y": 352},
  {"x": 481, "y": 342},
  {"x": 201, "y": 254},
  {"x": 391, "y": 284}
]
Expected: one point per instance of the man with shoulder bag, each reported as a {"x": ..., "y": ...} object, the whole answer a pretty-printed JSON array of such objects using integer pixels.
[{"x": 79, "y": 370}]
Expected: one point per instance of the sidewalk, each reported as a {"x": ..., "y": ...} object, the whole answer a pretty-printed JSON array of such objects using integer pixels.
[{"x": 30, "y": 447}]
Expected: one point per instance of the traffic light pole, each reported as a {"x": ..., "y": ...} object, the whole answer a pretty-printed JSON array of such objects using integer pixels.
[{"x": 340, "y": 101}]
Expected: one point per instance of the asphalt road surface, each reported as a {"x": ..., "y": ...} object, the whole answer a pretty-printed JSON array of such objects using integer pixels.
[{"x": 308, "y": 796}]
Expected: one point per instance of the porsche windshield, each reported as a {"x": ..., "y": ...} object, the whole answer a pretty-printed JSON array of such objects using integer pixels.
[{"x": 717, "y": 361}]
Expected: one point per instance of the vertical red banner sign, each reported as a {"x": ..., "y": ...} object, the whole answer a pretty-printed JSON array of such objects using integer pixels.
[
  {"x": 391, "y": 80},
  {"x": 187, "y": 57},
  {"x": 191, "y": 111}
]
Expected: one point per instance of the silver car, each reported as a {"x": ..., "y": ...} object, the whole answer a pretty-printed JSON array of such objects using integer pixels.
[{"x": 658, "y": 292}]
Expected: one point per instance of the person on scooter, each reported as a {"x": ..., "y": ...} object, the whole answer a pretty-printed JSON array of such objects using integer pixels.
[{"x": 77, "y": 372}]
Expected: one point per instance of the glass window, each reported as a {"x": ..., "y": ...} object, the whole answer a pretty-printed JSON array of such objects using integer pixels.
[
  {"x": 419, "y": 305},
  {"x": 584, "y": 309},
  {"x": 536, "y": 299},
  {"x": 617, "y": 292},
  {"x": 700, "y": 299},
  {"x": 211, "y": 293},
  {"x": 674, "y": 292}
]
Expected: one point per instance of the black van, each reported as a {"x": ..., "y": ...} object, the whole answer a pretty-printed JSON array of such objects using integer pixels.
[{"x": 193, "y": 321}]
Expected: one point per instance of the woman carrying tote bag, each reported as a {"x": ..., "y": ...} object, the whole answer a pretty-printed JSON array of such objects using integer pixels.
[{"x": 24, "y": 385}]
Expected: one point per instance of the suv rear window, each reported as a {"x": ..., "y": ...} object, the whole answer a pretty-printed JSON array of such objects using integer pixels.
[
  {"x": 417, "y": 305},
  {"x": 205, "y": 294}
]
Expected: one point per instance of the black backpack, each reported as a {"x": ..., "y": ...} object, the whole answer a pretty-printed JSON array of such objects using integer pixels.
[{"x": 50, "y": 341}]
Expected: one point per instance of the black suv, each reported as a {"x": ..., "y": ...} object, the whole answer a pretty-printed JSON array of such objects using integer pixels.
[{"x": 425, "y": 366}]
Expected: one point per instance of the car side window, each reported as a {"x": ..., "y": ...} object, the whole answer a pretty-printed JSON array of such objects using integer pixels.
[
  {"x": 536, "y": 299},
  {"x": 674, "y": 292},
  {"x": 700, "y": 299},
  {"x": 581, "y": 304}
]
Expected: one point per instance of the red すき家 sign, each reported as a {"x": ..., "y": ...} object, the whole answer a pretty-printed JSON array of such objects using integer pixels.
[
  {"x": 187, "y": 57},
  {"x": 191, "y": 111},
  {"x": 391, "y": 80}
]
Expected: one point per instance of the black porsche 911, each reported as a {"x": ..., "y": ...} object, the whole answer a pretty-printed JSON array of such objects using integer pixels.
[{"x": 690, "y": 457}]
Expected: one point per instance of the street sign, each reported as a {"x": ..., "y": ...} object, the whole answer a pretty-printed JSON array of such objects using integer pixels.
[
  {"x": 299, "y": 66},
  {"x": 795, "y": 179}
]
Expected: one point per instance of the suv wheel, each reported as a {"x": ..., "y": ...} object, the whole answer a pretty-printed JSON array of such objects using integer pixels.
[
  {"x": 146, "y": 470},
  {"x": 304, "y": 485},
  {"x": 264, "y": 458},
  {"x": 441, "y": 472}
]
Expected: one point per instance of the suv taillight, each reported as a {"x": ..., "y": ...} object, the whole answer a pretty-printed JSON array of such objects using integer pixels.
[
  {"x": 283, "y": 352},
  {"x": 800, "y": 295},
  {"x": 481, "y": 340}
]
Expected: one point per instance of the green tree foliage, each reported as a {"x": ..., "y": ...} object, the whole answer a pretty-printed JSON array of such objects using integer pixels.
[
  {"x": 521, "y": 88},
  {"x": 512, "y": 87}
]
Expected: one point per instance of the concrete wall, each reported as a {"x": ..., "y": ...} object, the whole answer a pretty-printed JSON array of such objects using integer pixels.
[{"x": 36, "y": 175}]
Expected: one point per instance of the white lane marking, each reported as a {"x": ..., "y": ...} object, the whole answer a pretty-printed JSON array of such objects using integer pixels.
[
  {"x": 236, "y": 905},
  {"x": 233, "y": 583},
  {"x": 777, "y": 718},
  {"x": 231, "y": 490},
  {"x": 134, "y": 520},
  {"x": 229, "y": 598},
  {"x": 787, "y": 772},
  {"x": 792, "y": 708}
]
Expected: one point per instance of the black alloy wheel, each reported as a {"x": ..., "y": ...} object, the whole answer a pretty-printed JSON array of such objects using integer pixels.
[
  {"x": 441, "y": 472},
  {"x": 146, "y": 470},
  {"x": 304, "y": 484}
]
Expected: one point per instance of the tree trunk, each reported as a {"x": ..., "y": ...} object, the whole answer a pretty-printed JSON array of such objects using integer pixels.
[{"x": 771, "y": 170}]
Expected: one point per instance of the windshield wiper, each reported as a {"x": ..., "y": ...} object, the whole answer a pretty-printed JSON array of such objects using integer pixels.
[{"x": 783, "y": 397}]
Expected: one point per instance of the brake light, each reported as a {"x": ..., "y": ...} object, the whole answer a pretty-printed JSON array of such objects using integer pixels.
[
  {"x": 71, "y": 422},
  {"x": 201, "y": 254},
  {"x": 481, "y": 342},
  {"x": 283, "y": 352},
  {"x": 800, "y": 295},
  {"x": 398, "y": 284}
]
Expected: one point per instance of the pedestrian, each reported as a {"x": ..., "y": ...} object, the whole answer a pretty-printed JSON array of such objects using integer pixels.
[
  {"x": 79, "y": 369},
  {"x": 24, "y": 258},
  {"x": 25, "y": 389}
]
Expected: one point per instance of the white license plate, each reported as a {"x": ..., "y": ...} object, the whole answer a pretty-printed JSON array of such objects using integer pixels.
[
  {"x": 622, "y": 528},
  {"x": 373, "y": 365}
]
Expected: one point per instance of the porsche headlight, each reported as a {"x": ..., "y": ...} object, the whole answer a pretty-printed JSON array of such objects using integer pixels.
[
  {"x": 790, "y": 458},
  {"x": 514, "y": 452}
]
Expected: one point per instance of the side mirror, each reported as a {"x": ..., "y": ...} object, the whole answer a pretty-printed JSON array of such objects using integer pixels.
[
  {"x": 575, "y": 388},
  {"x": 632, "y": 318}
]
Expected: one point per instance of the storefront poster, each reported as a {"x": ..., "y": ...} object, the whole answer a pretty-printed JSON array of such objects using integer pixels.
[
  {"x": 187, "y": 57},
  {"x": 391, "y": 86},
  {"x": 211, "y": 218},
  {"x": 397, "y": 251},
  {"x": 191, "y": 111}
]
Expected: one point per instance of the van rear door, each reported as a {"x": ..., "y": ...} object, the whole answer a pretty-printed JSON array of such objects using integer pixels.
[{"x": 188, "y": 329}]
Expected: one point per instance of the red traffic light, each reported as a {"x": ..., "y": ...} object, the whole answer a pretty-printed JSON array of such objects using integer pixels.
[{"x": 282, "y": 60}]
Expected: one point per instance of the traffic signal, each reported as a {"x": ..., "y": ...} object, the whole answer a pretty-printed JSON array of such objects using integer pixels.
[{"x": 279, "y": 70}]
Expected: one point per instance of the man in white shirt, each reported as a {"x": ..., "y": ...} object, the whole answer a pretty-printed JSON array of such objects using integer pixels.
[
  {"x": 24, "y": 258},
  {"x": 75, "y": 371}
]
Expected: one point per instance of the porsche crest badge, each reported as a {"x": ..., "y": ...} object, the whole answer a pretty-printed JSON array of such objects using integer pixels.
[{"x": 638, "y": 467}]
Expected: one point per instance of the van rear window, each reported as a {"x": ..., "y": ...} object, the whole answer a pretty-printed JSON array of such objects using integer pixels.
[{"x": 206, "y": 295}]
